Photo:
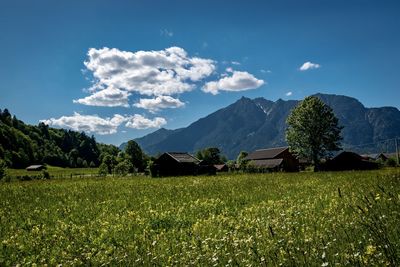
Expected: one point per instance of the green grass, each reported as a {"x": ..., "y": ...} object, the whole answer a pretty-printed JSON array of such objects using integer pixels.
[{"x": 297, "y": 219}]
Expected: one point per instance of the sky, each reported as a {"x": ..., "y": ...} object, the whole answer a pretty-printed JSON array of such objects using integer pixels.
[{"x": 122, "y": 69}]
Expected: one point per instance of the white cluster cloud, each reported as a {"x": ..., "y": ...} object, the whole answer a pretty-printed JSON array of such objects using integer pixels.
[
  {"x": 289, "y": 93},
  {"x": 152, "y": 73},
  {"x": 103, "y": 126},
  {"x": 309, "y": 66},
  {"x": 160, "y": 102},
  {"x": 139, "y": 122},
  {"x": 110, "y": 97},
  {"x": 236, "y": 81}
]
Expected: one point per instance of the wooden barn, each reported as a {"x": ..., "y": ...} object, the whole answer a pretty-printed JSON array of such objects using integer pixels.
[
  {"x": 348, "y": 161},
  {"x": 175, "y": 164},
  {"x": 274, "y": 159},
  {"x": 35, "y": 168}
]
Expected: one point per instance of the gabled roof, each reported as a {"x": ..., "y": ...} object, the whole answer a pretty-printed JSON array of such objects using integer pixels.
[
  {"x": 183, "y": 157},
  {"x": 267, "y": 163},
  {"x": 374, "y": 156},
  {"x": 269, "y": 153},
  {"x": 34, "y": 167},
  {"x": 220, "y": 166}
]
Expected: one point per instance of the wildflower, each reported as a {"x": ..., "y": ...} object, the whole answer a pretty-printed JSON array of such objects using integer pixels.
[
  {"x": 325, "y": 264},
  {"x": 370, "y": 249}
]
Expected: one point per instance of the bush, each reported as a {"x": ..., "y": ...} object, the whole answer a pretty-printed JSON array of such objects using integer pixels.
[
  {"x": 123, "y": 168},
  {"x": 391, "y": 162},
  {"x": 103, "y": 169},
  {"x": 3, "y": 169},
  {"x": 45, "y": 174}
]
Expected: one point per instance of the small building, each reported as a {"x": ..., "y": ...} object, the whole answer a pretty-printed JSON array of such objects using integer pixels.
[
  {"x": 349, "y": 161},
  {"x": 274, "y": 159},
  {"x": 175, "y": 164},
  {"x": 221, "y": 167},
  {"x": 35, "y": 168}
]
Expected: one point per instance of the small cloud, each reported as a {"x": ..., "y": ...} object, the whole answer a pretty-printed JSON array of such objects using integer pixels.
[
  {"x": 265, "y": 71},
  {"x": 204, "y": 45},
  {"x": 289, "y": 93},
  {"x": 88, "y": 123},
  {"x": 160, "y": 102},
  {"x": 110, "y": 97},
  {"x": 139, "y": 122},
  {"x": 309, "y": 66},
  {"x": 238, "y": 81},
  {"x": 229, "y": 70},
  {"x": 103, "y": 126},
  {"x": 235, "y": 63},
  {"x": 166, "y": 32}
]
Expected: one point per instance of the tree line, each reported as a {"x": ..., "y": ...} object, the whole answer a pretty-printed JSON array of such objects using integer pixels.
[{"x": 22, "y": 145}]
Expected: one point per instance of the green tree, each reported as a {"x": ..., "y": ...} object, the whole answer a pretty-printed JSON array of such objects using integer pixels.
[
  {"x": 103, "y": 169},
  {"x": 210, "y": 156},
  {"x": 241, "y": 160},
  {"x": 109, "y": 161},
  {"x": 313, "y": 130},
  {"x": 135, "y": 155},
  {"x": 123, "y": 168}
]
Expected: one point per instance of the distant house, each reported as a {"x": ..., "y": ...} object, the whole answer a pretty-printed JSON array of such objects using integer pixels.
[
  {"x": 274, "y": 159},
  {"x": 35, "y": 168},
  {"x": 221, "y": 167},
  {"x": 348, "y": 161},
  {"x": 175, "y": 164}
]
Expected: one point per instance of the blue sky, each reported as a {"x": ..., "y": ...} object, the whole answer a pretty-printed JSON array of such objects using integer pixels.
[{"x": 166, "y": 64}]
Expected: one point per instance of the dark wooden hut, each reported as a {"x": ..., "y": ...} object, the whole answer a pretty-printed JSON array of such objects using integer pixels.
[
  {"x": 175, "y": 164},
  {"x": 348, "y": 161},
  {"x": 35, "y": 168},
  {"x": 274, "y": 159}
]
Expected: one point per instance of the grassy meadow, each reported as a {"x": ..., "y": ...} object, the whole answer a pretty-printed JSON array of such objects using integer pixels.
[{"x": 288, "y": 219}]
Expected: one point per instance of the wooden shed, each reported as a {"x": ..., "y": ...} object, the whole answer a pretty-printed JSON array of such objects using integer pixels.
[
  {"x": 35, "y": 168},
  {"x": 175, "y": 164},
  {"x": 348, "y": 161},
  {"x": 274, "y": 159}
]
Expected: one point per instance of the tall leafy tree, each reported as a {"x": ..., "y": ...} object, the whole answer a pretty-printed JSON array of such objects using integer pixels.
[
  {"x": 210, "y": 155},
  {"x": 135, "y": 155},
  {"x": 313, "y": 131},
  {"x": 241, "y": 160}
]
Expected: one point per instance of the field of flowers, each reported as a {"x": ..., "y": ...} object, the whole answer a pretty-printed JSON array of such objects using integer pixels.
[{"x": 298, "y": 219}]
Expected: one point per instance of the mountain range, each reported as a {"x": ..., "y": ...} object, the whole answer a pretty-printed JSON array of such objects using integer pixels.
[{"x": 250, "y": 124}]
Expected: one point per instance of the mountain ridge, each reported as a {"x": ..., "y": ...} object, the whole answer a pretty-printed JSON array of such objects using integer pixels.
[{"x": 250, "y": 124}]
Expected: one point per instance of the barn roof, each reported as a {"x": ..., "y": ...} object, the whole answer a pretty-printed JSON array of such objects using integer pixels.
[
  {"x": 267, "y": 163},
  {"x": 34, "y": 167},
  {"x": 374, "y": 156},
  {"x": 183, "y": 157},
  {"x": 219, "y": 166},
  {"x": 268, "y": 153}
]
